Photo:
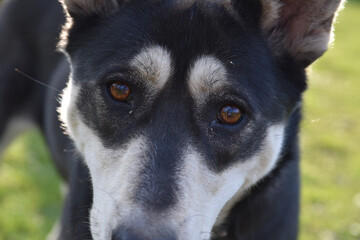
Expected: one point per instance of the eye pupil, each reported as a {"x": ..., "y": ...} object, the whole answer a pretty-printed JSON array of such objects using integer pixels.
[
  {"x": 230, "y": 115},
  {"x": 120, "y": 91}
]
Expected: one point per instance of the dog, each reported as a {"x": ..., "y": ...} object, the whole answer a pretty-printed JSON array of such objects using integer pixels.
[{"x": 181, "y": 116}]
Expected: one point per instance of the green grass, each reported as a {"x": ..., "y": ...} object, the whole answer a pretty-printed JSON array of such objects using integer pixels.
[
  {"x": 29, "y": 187},
  {"x": 29, "y": 190},
  {"x": 331, "y": 138}
]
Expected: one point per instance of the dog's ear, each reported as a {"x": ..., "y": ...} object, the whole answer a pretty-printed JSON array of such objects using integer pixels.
[
  {"x": 299, "y": 28},
  {"x": 84, "y": 8},
  {"x": 79, "y": 12}
]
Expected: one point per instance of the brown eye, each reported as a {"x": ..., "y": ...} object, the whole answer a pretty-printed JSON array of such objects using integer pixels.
[
  {"x": 120, "y": 91},
  {"x": 230, "y": 115}
]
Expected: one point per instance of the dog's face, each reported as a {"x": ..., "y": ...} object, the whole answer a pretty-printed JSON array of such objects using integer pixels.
[{"x": 178, "y": 108}]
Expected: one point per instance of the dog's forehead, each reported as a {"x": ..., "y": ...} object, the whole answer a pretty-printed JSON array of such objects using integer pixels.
[
  {"x": 171, "y": 40},
  {"x": 186, "y": 31}
]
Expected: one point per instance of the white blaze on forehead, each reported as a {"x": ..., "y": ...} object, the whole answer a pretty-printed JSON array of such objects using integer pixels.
[
  {"x": 206, "y": 75},
  {"x": 155, "y": 66},
  {"x": 207, "y": 196}
]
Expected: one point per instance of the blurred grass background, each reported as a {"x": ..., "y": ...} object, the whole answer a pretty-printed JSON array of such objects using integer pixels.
[
  {"x": 30, "y": 199},
  {"x": 331, "y": 138}
]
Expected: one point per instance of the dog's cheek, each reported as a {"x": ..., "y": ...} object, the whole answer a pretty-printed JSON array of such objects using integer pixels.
[
  {"x": 258, "y": 167},
  {"x": 114, "y": 176},
  {"x": 199, "y": 202},
  {"x": 114, "y": 172},
  {"x": 67, "y": 110},
  {"x": 203, "y": 195},
  {"x": 87, "y": 143},
  {"x": 206, "y": 196},
  {"x": 88, "y": 146}
]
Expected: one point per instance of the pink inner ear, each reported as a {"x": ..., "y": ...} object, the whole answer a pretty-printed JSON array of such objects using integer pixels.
[
  {"x": 294, "y": 18},
  {"x": 291, "y": 7},
  {"x": 297, "y": 27},
  {"x": 300, "y": 16},
  {"x": 302, "y": 28}
]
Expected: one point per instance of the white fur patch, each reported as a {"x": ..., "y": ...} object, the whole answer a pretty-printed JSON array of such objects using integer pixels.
[
  {"x": 206, "y": 197},
  {"x": 115, "y": 175},
  {"x": 206, "y": 75},
  {"x": 154, "y": 65},
  {"x": 67, "y": 109}
]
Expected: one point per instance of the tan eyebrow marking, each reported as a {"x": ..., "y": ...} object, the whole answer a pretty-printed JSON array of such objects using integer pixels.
[
  {"x": 206, "y": 75},
  {"x": 155, "y": 65}
]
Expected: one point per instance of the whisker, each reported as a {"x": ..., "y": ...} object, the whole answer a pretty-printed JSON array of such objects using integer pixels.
[{"x": 37, "y": 81}]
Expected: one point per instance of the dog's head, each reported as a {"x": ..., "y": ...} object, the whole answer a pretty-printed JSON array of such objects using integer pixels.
[{"x": 179, "y": 107}]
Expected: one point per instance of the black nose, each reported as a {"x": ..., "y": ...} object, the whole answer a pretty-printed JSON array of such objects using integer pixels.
[{"x": 141, "y": 234}]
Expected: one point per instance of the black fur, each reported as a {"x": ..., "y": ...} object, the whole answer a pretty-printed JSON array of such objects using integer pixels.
[{"x": 267, "y": 88}]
